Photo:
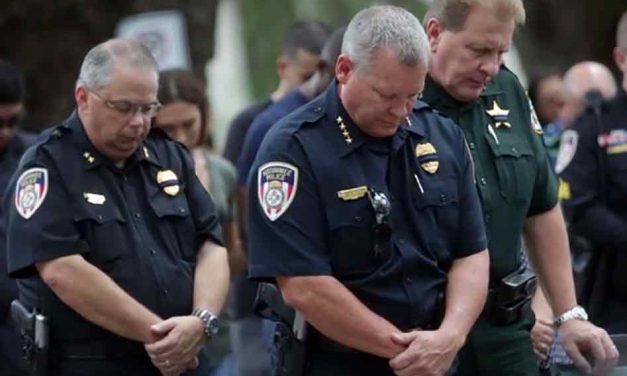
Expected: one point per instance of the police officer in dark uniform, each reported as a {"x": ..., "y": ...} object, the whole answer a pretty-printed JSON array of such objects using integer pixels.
[
  {"x": 594, "y": 193},
  {"x": 363, "y": 210},
  {"x": 516, "y": 185},
  {"x": 111, "y": 235},
  {"x": 13, "y": 143}
]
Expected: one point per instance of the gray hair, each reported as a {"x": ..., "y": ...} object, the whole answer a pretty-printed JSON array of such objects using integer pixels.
[
  {"x": 385, "y": 26},
  {"x": 98, "y": 64}
]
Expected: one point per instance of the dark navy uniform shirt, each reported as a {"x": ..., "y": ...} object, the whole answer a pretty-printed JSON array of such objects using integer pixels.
[
  {"x": 310, "y": 214},
  {"x": 9, "y": 160},
  {"x": 141, "y": 224},
  {"x": 600, "y": 216}
]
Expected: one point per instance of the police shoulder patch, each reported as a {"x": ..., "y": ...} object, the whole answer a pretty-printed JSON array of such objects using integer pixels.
[
  {"x": 568, "y": 148},
  {"x": 276, "y": 187},
  {"x": 30, "y": 191},
  {"x": 535, "y": 122}
]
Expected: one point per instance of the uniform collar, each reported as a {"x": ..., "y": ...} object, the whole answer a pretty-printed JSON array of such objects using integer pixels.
[
  {"x": 349, "y": 136},
  {"x": 436, "y": 96},
  {"x": 91, "y": 157}
]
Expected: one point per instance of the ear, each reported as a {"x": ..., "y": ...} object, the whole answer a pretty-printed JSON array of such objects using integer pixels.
[
  {"x": 344, "y": 68},
  {"x": 281, "y": 66},
  {"x": 81, "y": 96},
  {"x": 620, "y": 58},
  {"x": 434, "y": 32}
]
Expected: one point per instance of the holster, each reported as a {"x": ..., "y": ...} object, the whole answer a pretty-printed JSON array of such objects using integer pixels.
[
  {"x": 32, "y": 327},
  {"x": 288, "y": 358},
  {"x": 511, "y": 297}
]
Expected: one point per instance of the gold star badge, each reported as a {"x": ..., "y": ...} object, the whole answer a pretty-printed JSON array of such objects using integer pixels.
[{"x": 499, "y": 115}]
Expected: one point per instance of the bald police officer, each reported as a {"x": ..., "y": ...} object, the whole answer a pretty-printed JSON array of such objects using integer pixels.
[
  {"x": 363, "y": 210},
  {"x": 110, "y": 233}
]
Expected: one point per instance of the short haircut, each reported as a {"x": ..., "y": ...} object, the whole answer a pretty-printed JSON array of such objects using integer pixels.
[
  {"x": 12, "y": 88},
  {"x": 621, "y": 32},
  {"x": 385, "y": 26},
  {"x": 99, "y": 62},
  {"x": 452, "y": 14},
  {"x": 181, "y": 85},
  {"x": 305, "y": 35}
]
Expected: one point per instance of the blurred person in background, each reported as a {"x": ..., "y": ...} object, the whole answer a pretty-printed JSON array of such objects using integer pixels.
[
  {"x": 585, "y": 84},
  {"x": 593, "y": 168},
  {"x": 13, "y": 143},
  {"x": 184, "y": 117},
  {"x": 545, "y": 92}
]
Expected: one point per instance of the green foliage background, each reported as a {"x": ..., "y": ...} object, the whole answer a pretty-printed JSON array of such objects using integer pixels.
[{"x": 265, "y": 22}]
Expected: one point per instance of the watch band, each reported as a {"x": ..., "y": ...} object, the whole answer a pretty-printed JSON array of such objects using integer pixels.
[
  {"x": 209, "y": 321},
  {"x": 575, "y": 313}
]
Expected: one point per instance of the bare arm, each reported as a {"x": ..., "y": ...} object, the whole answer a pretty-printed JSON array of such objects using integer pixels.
[
  {"x": 547, "y": 242},
  {"x": 97, "y": 298},
  {"x": 338, "y": 314},
  {"x": 237, "y": 258},
  {"x": 211, "y": 278},
  {"x": 466, "y": 294}
]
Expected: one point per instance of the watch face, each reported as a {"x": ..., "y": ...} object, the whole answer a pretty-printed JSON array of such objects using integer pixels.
[{"x": 213, "y": 326}]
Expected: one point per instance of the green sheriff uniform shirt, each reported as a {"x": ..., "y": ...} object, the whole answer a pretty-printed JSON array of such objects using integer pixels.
[{"x": 512, "y": 171}]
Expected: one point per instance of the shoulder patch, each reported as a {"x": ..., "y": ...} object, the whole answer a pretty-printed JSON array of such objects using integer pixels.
[
  {"x": 30, "y": 191},
  {"x": 568, "y": 148},
  {"x": 277, "y": 183},
  {"x": 535, "y": 122}
]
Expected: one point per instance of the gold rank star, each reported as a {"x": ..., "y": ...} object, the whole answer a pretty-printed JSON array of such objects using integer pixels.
[
  {"x": 499, "y": 115},
  {"x": 89, "y": 157}
]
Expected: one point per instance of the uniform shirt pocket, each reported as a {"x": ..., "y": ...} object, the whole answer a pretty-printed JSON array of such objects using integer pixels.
[
  {"x": 351, "y": 238},
  {"x": 103, "y": 228},
  {"x": 515, "y": 169},
  {"x": 175, "y": 223},
  {"x": 436, "y": 217}
]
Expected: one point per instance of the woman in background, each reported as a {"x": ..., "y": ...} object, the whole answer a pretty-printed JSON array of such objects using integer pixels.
[{"x": 184, "y": 117}]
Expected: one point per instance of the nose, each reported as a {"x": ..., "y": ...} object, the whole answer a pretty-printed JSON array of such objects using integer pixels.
[
  {"x": 137, "y": 119},
  {"x": 491, "y": 65},
  {"x": 401, "y": 109}
]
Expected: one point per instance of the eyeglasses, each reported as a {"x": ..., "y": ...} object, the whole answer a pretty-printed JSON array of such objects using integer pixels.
[
  {"x": 127, "y": 108},
  {"x": 382, "y": 230}
]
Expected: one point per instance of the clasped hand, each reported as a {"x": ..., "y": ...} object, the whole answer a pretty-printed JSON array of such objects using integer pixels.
[
  {"x": 180, "y": 339},
  {"x": 428, "y": 353}
]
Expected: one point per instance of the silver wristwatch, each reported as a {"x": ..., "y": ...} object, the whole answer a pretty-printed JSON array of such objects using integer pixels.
[
  {"x": 575, "y": 313},
  {"x": 210, "y": 322}
]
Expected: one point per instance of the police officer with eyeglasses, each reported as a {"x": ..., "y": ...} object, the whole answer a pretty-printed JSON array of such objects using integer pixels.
[
  {"x": 115, "y": 243},
  {"x": 363, "y": 210}
]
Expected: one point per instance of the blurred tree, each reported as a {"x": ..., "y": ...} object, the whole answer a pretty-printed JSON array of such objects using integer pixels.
[
  {"x": 48, "y": 40},
  {"x": 560, "y": 33}
]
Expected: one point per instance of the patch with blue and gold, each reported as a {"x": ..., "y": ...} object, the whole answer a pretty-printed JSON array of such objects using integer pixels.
[
  {"x": 276, "y": 187},
  {"x": 30, "y": 191}
]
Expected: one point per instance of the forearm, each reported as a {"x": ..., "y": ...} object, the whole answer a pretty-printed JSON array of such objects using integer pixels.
[
  {"x": 97, "y": 298},
  {"x": 602, "y": 227},
  {"x": 333, "y": 310},
  {"x": 211, "y": 278},
  {"x": 237, "y": 259},
  {"x": 547, "y": 243},
  {"x": 540, "y": 305},
  {"x": 466, "y": 293}
]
